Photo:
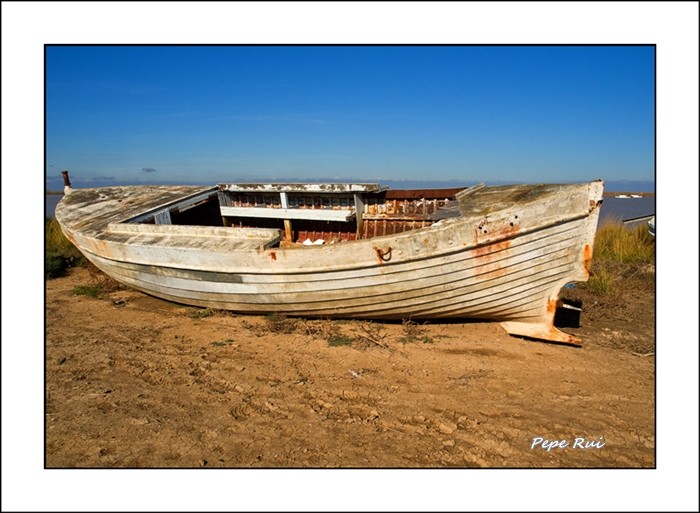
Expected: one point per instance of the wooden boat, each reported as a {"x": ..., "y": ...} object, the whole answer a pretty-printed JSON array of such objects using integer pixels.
[{"x": 345, "y": 250}]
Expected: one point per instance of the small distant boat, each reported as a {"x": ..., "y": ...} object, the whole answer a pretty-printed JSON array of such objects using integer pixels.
[
  {"x": 623, "y": 196},
  {"x": 339, "y": 250},
  {"x": 635, "y": 196}
]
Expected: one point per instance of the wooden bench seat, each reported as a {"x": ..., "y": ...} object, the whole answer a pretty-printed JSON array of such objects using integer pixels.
[{"x": 238, "y": 238}]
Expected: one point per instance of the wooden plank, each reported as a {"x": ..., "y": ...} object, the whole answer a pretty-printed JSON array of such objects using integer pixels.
[
  {"x": 359, "y": 214},
  {"x": 193, "y": 230},
  {"x": 290, "y": 213},
  {"x": 288, "y": 233},
  {"x": 162, "y": 217}
]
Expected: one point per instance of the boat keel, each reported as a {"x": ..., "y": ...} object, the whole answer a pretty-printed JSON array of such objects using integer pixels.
[{"x": 541, "y": 331}]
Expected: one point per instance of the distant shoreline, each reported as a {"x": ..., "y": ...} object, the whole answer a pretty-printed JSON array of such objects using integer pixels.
[
  {"x": 612, "y": 194},
  {"x": 607, "y": 194}
]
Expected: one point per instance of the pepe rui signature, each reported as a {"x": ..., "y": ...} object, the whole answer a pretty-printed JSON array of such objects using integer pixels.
[{"x": 539, "y": 442}]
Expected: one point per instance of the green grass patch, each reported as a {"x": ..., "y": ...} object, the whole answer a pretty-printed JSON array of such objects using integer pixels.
[
  {"x": 340, "y": 340},
  {"x": 88, "y": 290},
  {"x": 199, "y": 313}
]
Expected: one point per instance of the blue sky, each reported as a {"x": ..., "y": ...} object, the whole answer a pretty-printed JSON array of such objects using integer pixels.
[{"x": 204, "y": 114}]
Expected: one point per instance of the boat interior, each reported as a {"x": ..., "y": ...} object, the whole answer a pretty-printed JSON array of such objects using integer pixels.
[{"x": 310, "y": 213}]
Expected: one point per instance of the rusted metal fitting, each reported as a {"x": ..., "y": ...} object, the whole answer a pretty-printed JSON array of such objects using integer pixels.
[
  {"x": 383, "y": 254},
  {"x": 66, "y": 180}
]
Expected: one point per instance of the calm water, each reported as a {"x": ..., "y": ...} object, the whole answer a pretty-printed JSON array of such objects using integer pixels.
[
  {"x": 627, "y": 208},
  {"x": 51, "y": 202},
  {"x": 619, "y": 208}
]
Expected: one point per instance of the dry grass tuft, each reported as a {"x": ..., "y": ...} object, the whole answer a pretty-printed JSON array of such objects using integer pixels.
[
  {"x": 617, "y": 243},
  {"x": 414, "y": 332}
]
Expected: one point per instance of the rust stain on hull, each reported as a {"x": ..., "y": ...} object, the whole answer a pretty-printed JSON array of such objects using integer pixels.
[
  {"x": 587, "y": 258},
  {"x": 491, "y": 259},
  {"x": 490, "y": 249}
]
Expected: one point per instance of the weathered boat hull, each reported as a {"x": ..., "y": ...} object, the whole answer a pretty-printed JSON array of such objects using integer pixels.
[{"x": 503, "y": 264}]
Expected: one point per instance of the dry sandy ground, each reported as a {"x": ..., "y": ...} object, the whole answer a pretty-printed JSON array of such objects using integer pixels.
[{"x": 133, "y": 381}]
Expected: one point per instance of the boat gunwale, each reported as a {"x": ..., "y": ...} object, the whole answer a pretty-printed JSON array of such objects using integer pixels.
[
  {"x": 386, "y": 267},
  {"x": 396, "y": 239}
]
